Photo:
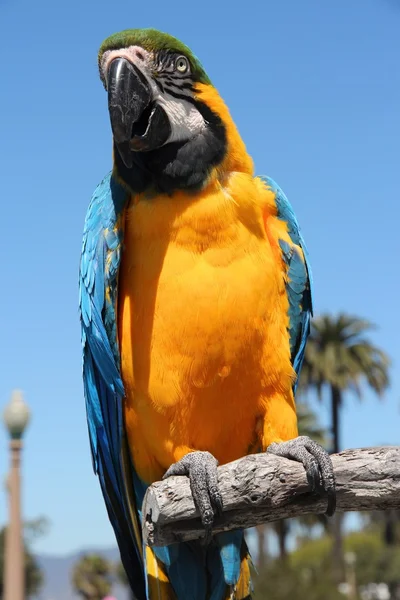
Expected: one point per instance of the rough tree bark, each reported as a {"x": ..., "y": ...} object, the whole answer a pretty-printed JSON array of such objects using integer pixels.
[{"x": 261, "y": 488}]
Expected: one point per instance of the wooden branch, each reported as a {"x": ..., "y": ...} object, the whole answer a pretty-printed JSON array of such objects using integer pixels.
[{"x": 261, "y": 488}]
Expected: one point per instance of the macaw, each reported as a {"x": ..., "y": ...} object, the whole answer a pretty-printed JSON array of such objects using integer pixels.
[{"x": 195, "y": 307}]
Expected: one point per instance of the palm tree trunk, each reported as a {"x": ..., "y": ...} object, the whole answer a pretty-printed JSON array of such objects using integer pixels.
[
  {"x": 282, "y": 529},
  {"x": 262, "y": 555},
  {"x": 336, "y": 522},
  {"x": 335, "y": 405},
  {"x": 390, "y": 527}
]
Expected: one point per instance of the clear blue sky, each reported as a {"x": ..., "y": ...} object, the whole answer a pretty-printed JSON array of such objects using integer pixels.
[{"x": 315, "y": 90}]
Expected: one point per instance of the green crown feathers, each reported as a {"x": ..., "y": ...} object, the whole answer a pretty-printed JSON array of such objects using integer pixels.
[{"x": 153, "y": 40}]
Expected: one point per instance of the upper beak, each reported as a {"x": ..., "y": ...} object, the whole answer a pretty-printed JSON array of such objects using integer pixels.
[{"x": 129, "y": 94}]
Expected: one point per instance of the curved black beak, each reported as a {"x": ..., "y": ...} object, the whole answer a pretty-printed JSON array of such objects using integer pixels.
[{"x": 129, "y": 94}]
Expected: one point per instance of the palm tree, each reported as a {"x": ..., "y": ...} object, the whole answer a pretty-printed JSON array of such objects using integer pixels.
[
  {"x": 92, "y": 577},
  {"x": 339, "y": 357}
]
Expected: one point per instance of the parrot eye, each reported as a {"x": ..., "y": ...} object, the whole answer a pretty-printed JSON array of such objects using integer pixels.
[{"x": 182, "y": 64}]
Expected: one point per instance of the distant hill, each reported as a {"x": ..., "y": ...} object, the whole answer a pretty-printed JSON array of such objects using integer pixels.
[{"x": 57, "y": 573}]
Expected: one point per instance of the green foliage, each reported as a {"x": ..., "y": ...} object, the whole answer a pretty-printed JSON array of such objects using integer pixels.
[
  {"x": 375, "y": 560},
  {"x": 280, "y": 581},
  {"x": 312, "y": 554},
  {"x": 307, "y": 573},
  {"x": 33, "y": 574},
  {"x": 92, "y": 577},
  {"x": 339, "y": 355}
]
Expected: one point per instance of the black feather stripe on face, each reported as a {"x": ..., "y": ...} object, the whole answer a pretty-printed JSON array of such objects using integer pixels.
[
  {"x": 178, "y": 165},
  {"x": 179, "y": 85},
  {"x": 159, "y": 85},
  {"x": 175, "y": 94}
]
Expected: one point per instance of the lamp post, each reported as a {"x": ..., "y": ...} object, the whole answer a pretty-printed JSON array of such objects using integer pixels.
[{"x": 16, "y": 418}]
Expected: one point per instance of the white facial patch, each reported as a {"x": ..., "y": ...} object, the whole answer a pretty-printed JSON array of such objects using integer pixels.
[{"x": 185, "y": 120}]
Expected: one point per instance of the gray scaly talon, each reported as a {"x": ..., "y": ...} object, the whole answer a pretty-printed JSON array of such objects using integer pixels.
[
  {"x": 201, "y": 468},
  {"x": 317, "y": 463}
]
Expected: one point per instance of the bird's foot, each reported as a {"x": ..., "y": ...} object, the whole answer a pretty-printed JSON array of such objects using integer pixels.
[
  {"x": 317, "y": 463},
  {"x": 201, "y": 468}
]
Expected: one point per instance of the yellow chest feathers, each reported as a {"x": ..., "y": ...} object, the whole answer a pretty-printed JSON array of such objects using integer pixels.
[{"x": 201, "y": 292}]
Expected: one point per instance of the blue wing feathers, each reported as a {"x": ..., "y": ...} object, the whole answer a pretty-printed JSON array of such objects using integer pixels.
[
  {"x": 230, "y": 544},
  {"x": 299, "y": 279},
  {"x": 103, "y": 386}
]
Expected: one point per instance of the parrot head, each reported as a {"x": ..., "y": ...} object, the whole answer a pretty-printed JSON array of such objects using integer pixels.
[{"x": 170, "y": 127}]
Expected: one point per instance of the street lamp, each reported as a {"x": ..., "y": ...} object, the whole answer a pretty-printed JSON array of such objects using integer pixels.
[{"x": 16, "y": 418}]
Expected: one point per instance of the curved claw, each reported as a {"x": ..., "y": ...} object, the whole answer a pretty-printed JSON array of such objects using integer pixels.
[
  {"x": 317, "y": 463},
  {"x": 201, "y": 468}
]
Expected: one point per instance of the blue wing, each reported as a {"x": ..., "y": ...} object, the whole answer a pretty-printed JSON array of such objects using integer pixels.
[
  {"x": 299, "y": 279},
  {"x": 103, "y": 387}
]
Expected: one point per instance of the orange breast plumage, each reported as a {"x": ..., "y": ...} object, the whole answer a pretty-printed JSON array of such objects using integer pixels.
[{"x": 203, "y": 325}]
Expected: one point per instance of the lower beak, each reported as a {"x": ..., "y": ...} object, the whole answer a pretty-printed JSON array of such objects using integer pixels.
[{"x": 129, "y": 94}]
